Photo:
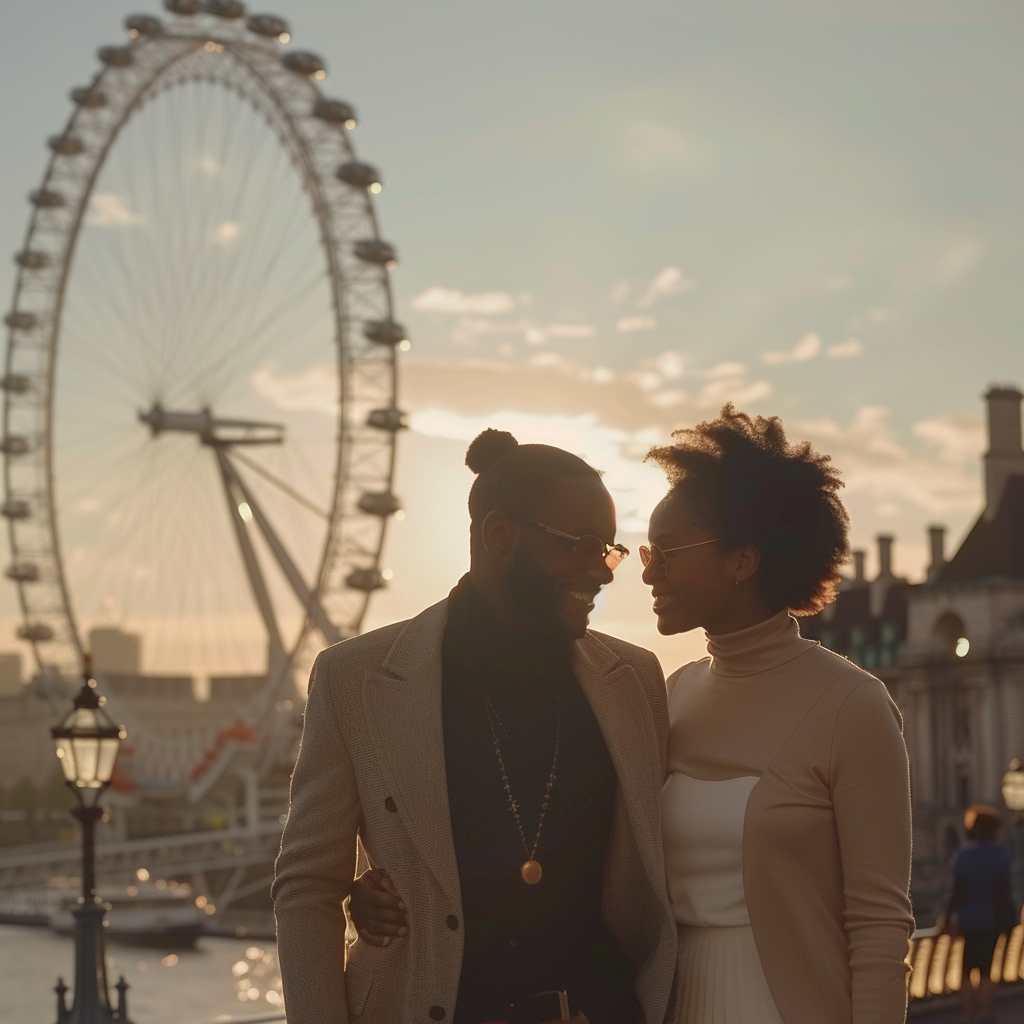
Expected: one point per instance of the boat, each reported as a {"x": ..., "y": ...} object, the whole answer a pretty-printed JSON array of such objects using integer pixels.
[{"x": 144, "y": 915}]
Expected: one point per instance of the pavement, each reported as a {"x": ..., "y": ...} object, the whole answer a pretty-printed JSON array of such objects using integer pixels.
[{"x": 1009, "y": 1009}]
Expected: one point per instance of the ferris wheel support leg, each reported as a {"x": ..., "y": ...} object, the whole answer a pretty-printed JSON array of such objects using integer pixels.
[
  {"x": 314, "y": 609},
  {"x": 276, "y": 654}
]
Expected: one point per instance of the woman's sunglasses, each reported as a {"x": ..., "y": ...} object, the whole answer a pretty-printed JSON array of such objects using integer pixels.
[
  {"x": 586, "y": 550},
  {"x": 657, "y": 558}
]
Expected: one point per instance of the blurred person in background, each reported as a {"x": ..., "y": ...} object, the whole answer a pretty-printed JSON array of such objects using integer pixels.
[{"x": 980, "y": 907}]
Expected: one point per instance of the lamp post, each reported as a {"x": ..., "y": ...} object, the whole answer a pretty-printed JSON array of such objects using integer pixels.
[
  {"x": 87, "y": 743},
  {"x": 1013, "y": 796}
]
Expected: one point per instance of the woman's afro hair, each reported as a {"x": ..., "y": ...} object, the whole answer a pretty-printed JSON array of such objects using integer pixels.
[
  {"x": 511, "y": 475},
  {"x": 742, "y": 480}
]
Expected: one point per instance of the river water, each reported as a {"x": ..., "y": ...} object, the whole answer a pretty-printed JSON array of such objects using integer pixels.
[{"x": 219, "y": 980}]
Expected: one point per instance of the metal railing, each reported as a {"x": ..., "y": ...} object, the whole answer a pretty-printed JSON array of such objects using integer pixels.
[
  {"x": 187, "y": 853},
  {"x": 937, "y": 961}
]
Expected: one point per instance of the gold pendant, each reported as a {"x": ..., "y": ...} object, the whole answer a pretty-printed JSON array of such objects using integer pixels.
[{"x": 531, "y": 872}]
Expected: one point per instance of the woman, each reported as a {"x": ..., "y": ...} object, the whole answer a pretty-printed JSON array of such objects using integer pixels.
[
  {"x": 786, "y": 810},
  {"x": 980, "y": 906}
]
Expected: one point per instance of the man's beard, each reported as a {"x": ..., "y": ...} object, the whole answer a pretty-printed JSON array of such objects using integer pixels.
[{"x": 536, "y": 595}]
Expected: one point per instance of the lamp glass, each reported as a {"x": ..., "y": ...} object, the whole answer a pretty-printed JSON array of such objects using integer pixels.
[
  {"x": 1013, "y": 789},
  {"x": 107, "y": 757},
  {"x": 66, "y": 754}
]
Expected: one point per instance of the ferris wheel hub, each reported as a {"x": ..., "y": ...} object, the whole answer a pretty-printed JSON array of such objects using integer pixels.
[{"x": 211, "y": 429}]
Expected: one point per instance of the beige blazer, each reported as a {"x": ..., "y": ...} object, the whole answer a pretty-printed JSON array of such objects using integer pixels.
[{"x": 372, "y": 766}]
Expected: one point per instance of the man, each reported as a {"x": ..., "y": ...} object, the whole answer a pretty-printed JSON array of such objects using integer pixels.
[{"x": 505, "y": 765}]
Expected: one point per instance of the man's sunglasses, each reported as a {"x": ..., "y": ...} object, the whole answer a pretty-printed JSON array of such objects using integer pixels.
[
  {"x": 586, "y": 550},
  {"x": 658, "y": 557}
]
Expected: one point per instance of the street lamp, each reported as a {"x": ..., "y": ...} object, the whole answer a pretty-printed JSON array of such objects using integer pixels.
[
  {"x": 1013, "y": 796},
  {"x": 87, "y": 743}
]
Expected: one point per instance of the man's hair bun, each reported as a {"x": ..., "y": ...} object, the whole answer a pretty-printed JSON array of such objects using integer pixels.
[{"x": 488, "y": 447}]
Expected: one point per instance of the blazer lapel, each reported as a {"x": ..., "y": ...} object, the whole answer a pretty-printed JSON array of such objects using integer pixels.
[
  {"x": 403, "y": 705},
  {"x": 627, "y": 724}
]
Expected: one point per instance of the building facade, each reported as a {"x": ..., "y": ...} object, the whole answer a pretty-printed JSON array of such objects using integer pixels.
[{"x": 951, "y": 652}]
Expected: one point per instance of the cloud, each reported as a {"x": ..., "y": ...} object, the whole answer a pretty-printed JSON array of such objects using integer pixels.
[
  {"x": 669, "y": 281},
  {"x": 849, "y": 349},
  {"x": 108, "y": 210},
  {"x": 628, "y": 324},
  {"x": 958, "y": 260},
  {"x": 736, "y": 389},
  {"x": 870, "y": 318},
  {"x": 877, "y": 467},
  {"x": 806, "y": 348},
  {"x": 838, "y": 283},
  {"x": 722, "y": 370},
  {"x": 659, "y": 150},
  {"x": 959, "y": 439},
  {"x": 569, "y": 331},
  {"x": 671, "y": 365},
  {"x": 455, "y": 301},
  {"x": 226, "y": 233},
  {"x": 620, "y": 291},
  {"x": 312, "y": 390}
]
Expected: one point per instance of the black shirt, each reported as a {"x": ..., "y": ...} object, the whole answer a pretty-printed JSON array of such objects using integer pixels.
[{"x": 522, "y": 939}]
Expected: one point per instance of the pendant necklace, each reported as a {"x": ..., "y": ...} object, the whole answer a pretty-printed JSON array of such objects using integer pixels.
[{"x": 531, "y": 871}]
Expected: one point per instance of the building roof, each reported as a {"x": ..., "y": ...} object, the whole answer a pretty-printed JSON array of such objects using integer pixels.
[{"x": 994, "y": 548}]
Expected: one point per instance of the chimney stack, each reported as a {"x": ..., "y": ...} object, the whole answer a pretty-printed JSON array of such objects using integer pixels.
[
  {"x": 884, "y": 555},
  {"x": 937, "y": 540},
  {"x": 1004, "y": 457},
  {"x": 858, "y": 567}
]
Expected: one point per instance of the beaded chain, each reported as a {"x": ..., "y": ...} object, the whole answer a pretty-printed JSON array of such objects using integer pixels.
[{"x": 531, "y": 870}]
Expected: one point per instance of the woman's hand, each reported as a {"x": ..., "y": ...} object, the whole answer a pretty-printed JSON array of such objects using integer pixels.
[{"x": 376, "y": 908}]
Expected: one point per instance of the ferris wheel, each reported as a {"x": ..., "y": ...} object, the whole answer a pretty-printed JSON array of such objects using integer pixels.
[{"x": 199, "y": 392}]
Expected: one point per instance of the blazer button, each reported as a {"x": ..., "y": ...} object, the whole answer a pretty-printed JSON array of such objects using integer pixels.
[
  {"x": 452, "y": 922},
  {"x": 390, "y": 804},
  {"x": 436, "y": 1013}
]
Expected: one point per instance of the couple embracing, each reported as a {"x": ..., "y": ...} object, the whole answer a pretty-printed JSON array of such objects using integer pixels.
[{"x": 551, "y": 830}]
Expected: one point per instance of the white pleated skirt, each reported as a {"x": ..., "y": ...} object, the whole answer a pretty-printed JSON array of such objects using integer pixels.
[{"x": 720, "y": 980}]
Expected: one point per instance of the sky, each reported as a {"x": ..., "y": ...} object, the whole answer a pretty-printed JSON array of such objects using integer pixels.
[{"x": 611, "y": 219}]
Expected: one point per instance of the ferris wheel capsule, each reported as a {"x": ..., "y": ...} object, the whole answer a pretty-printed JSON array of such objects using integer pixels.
[
  {"x": 115, "y": 56},
  {"x": 142, "y": 25},
  {"x": 335, "y": 112},
  {"x": 268, "y": 25},
  {"x": 366, "y": 580},
  {"x": 229, "y": 10},
  {"x": 88, "y": 97},
  {"x": 392, "y": 419},
  {"x": 21, "y": 320},
  {"x": 22, "y": 572},
  {"x": 14, "y": 444},
  {"x": 359, "y": 175},
  {"x": 36, "y": 632},
  {"x": 302, "y": 62},
  {"x": 66, "y": 145},
  {"x": 46, "y": 198},
  {"x": 15, "y": 383},
  {"x": 384, "y": 332},
  {"x": 376, "y": 250},
  {"x": 32, "y": 259}
]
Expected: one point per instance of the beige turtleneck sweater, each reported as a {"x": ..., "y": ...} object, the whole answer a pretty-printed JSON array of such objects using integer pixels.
[{"x": 826, "y": 836}]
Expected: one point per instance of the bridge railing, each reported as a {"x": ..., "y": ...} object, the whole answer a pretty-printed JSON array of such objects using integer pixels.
[{"x": 937, "y": 960}]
